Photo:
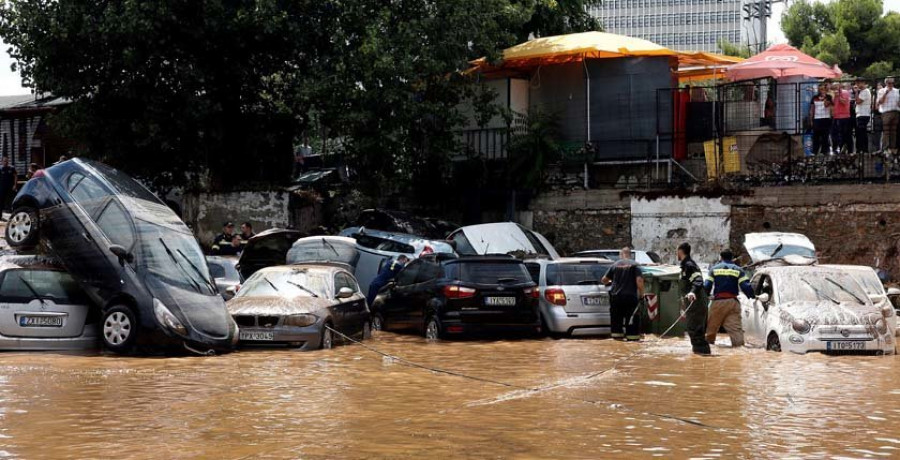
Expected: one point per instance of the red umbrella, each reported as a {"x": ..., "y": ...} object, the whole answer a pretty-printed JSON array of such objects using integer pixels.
[{"x": 781, "y": 61}]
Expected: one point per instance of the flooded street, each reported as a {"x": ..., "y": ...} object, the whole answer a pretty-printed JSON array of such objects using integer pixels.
[{"x": 535, "y": 398}]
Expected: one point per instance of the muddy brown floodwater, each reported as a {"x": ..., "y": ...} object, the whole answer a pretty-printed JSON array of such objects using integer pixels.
[{"x": 546, "y": 399}]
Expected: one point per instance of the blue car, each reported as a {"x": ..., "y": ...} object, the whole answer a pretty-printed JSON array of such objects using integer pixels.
[{"x": 131, "y": 254}]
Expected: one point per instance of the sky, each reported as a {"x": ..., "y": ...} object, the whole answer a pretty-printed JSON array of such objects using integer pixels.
[{"x": 11, "y": 84}]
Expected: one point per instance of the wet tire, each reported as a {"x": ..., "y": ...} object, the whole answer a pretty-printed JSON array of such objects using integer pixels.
[
  {"x": 23, "y": 228},
  {"x": 119, "y": 329},
  {"x": 377, "y": 322},
  {"x": 773, "y": 343},
  {"x": 327, "y": 342},
  {"x": 367, "y": 330},
  {"x": 433, "y": 329}
]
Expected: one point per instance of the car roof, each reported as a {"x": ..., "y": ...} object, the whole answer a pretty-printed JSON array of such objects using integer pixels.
[
  {"x": 485, "y": 258},
  {"x": 571, "y": 260},
  {"x": 317, "y": 266}
]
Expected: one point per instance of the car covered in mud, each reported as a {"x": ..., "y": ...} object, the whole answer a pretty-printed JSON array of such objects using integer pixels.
[
  {"x": 130, "y": 253},
  {"x": 815, "y": 308},
  {"x": 43, "y": 308},
  {"x": 506, "y": 238},
  {"x": 869, "y": 280},
  {"x": 763, "y": 247},
  {"x": 573, "y": 301},
  {"x": 300, "y": 306},
  {"x": 641, "y": 257}
]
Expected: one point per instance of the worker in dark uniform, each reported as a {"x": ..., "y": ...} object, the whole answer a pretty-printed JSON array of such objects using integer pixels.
[
  {"x": 246, "y": 234},
  {"x": 388, "y": 273},
  {"x": 726, "y": 280},
  {"x": 8, "y": 184},
  {"x": 227, "y": 243},
  {"x": 624, "y": 296},
  {"x": 691, "y": 284}
]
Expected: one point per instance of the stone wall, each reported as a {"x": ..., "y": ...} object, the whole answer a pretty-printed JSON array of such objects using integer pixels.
[
  {"x": 206, "y": 212},
  {"x": 849, "y": 224}
]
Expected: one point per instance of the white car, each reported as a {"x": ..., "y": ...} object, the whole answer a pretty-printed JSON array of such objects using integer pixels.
[
  {"x": 868, "y": 278},
  {"x": 815, "y": 308},
  {"x": 641, "y": 257},
  {"x": 762, "y": 247}
]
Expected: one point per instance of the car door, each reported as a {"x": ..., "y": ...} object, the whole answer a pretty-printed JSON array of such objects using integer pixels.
[
  {"x": 766, "y": 286},
  {"x": 422, "y": 292},
  {"x": 750, "y": 312},
  {"x": 399, "y": 303},
  {"x": 42, "y": 303},
  {"x": 352, "y": 308}
]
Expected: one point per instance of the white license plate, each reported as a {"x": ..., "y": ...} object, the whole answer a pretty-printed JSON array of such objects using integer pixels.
[
  {"x": 845, "y": 345},
  {"x": 593, "y": 301},
  {"x": 41, "y": 321},
  {"x": 256, "y": 335},
  {"x": 500, "y": 301}
]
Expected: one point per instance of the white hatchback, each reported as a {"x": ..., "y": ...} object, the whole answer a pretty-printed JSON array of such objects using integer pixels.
[{"x": 815, "y": 308}]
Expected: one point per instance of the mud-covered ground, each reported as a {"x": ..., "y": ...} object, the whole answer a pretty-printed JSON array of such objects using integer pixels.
[{"x": 512, "y": 399}]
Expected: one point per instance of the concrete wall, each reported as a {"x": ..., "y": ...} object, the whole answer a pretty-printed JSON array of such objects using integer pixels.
[
  {"x": 206, "y": 212},
  {"x": 849, "y": 224}
]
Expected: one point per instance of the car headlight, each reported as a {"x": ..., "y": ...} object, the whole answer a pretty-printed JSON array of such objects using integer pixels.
[
  {"x": 887, "y": 311},
  {"x": 800, "y": 325},
  {"x": 301, "y": 320},
  {"x": 881, "y": 326},
  {"x": 167, "y": 319}
]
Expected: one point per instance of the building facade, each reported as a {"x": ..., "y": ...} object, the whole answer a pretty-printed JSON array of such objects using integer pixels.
[{"x": 686, "y": 25}]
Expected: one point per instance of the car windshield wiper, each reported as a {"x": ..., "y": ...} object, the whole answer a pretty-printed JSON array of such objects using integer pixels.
[
  {"x": 777, "y": 249},
  {"x": 820, "y": 293},
  {"x": 508, "y": 280},
  {"x": 858, "y": 299},
  {"x": 310, "y": 291},
  {"x": 271, "y": 284},
  {"x": 32, "y": 289},
  {"x": 330, "y": 246},
  {"x": 212, "y": 289},
  {"x": 175, "y": 259},
  {"x": 582, "y": 282}
]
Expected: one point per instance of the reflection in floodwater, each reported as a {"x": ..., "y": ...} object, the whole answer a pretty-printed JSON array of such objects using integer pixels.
[{"x": 550, "y": 399}]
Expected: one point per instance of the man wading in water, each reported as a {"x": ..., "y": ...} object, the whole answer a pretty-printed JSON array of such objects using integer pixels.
[
  {"x": 691, "y": 284},
  {"x": 626, "y": 291}
]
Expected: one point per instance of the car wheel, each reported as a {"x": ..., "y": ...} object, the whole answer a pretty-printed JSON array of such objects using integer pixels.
[
  {"x": 22, "y": 230},
  {"x": 773, "y": 343},
  {"x": 377, "y": 322},
  {"x": 433, "y": 329},
  {"x": 367, "y": 330},
  {"x": 327, "y": 338},
  {"x": 119, "y": 329}
]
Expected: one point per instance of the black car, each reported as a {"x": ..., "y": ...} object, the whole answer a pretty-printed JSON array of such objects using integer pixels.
[
  {"x": 443, "y": 295},
  {"x": 130, "y": 252}
]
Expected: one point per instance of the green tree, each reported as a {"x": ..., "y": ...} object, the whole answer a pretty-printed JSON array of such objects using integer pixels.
[
  {"x": 878, "y": 70},
  {"x": 730, "y": 49}
]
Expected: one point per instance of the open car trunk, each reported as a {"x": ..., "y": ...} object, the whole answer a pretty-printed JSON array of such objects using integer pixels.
[{"x": 266, "y": 249}]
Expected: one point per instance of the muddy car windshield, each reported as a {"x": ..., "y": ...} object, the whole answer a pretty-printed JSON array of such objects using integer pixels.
[
  {"x": 780, "y": 250},
  {"x": 833, "y": 287},
  {"x": 123, "y": 183},
  {"x": 285, "y": 283},
  {"x": 488, "y": 272},
  {"x": 321, "y": 249},
  {"x": 575, "y": 273},
  {"x": 869, "y": 281},
  {"x": 174, "y": 257}
]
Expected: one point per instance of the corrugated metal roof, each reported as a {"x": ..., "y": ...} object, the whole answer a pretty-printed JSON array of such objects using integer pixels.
[
  {"x": 11, "y": 101},
  {"x": 30, "y": 102}
]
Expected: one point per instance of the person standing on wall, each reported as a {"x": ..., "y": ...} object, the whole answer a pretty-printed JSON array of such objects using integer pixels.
[
  {"x": 725, "y": 282},
  {"x": 863, "y": 115},
  {"x": 691, "y": 284},
  {"x": 841, "y": 137},
  {"x": 820, "y": 119},
  {"x": 889, "y": 104},
  {"x": 624, "y": 297}
]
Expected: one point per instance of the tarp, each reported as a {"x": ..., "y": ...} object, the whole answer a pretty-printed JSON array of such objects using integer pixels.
[
  {"x": 560, "y": 49},
  {"x": 781, "y": 61}
]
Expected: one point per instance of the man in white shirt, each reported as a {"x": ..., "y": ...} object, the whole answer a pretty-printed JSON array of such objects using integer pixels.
[
  {"x": 889, "y": 105},
  {"x": 863, "y": 115}
]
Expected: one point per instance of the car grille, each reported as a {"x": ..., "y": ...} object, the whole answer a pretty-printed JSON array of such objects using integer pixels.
[
  {"x": 841, "y": 333},
  {"x": 267, "y": 321},
  {"x": 245, "y": 320}
]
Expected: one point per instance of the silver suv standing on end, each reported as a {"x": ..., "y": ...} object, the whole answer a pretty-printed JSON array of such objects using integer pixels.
[{"x": 572, "y": 300}]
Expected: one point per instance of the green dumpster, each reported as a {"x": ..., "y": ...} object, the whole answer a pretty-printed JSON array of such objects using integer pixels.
[{"x": 661, "y": 283}]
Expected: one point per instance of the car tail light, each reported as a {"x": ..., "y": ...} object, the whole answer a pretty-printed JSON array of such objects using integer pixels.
[
  {"x": 556, "y": 296},
  {"x": 426, "y": 251},
  {"x": 533, "y": 292},
  {"x": 38, "y": 173},
  {"x": 454, "y": 329},
  {"x": 458, "y": 292}
]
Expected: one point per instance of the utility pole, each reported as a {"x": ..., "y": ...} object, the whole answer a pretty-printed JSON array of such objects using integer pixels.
[{"x": 760, "y": 10}]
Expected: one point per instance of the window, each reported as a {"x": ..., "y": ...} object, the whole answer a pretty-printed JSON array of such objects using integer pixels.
[
  {"x": 463, "y": 247},
  {"x": 575, "y": 273},
  {"x": 60, "y": 287},
  {"x": 535, "y": 271},
  {"x": 429, "y": 271},
  {"x": 343, "y": 280},
  {"x": 216, "y": 270},
  {"x": 84, "y": 188},
  {"x": 408, "y": 275},
  {"x": 116, "y": 225}
]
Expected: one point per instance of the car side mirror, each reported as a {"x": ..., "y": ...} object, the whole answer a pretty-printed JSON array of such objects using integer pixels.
[
  {"x": 121, "y": 253},
  {"x": 231, "y": 290},
  {"x": 344, "y": 293},
  {"x": 763, "y": 299},
  {"x": 893, "y": 291}
]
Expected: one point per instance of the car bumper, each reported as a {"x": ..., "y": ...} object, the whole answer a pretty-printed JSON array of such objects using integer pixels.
[
  {"x": 42, "y": 344},
  {"x": 303, "y": 338},
  {"x": 797, "y": 343},
  {"x": 560, "y": 321},
  {"x": 459, "y": 326}
]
